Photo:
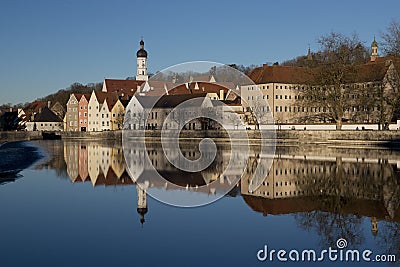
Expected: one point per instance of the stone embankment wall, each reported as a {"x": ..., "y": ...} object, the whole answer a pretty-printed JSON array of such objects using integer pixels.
[
  {"x": 283, "y": 136},
  {"x": 19, "y": 136}
]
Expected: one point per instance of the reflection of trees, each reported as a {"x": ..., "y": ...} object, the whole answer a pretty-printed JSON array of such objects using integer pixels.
[
  {"x": 330, "y": 222},
  {"x": 331, "y": 226},
  {"x": 389, "y": 238},
  {"x": 389, "y": 232},
  {"x": 338, "y": 191},
  {"x": 55, "y": 157}
]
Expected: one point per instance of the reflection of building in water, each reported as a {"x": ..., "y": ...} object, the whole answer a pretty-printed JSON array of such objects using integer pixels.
[
  {"x": 146, "y": 164},
  {"x": 142, "y": 199},
  {"x": 104, "y": 164},
  {"x": 298, "y": 184},
  {"x": 83, "y": 161},
  {"x": 72, "y": 160},
  {"x": 101, "y": 164}
]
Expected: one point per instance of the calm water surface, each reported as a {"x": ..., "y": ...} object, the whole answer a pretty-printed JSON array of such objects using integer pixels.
[{"x": 78, "y": 206}]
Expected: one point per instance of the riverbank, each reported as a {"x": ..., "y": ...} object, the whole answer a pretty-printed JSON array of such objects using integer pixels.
[
  {"x": 15, "y": 157},
  {"x": 282, "y": 136},
  {"x": 19, "y": 136}
]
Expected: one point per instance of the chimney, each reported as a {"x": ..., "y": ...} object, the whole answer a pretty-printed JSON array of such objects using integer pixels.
[
  {"x": 48, "y": 104},
  {"x": 221, "y": 94}
]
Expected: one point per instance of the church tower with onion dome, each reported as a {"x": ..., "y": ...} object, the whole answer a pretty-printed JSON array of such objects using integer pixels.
[
  {"x": 141, "y": 74},
  {"x": 374, "y": 50}
]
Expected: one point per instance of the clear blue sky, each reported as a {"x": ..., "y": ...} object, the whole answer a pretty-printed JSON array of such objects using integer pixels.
[{"x": 47, "y": 45}]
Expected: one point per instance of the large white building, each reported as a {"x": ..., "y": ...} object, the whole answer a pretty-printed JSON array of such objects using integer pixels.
[{"x": 282, "y": 86}]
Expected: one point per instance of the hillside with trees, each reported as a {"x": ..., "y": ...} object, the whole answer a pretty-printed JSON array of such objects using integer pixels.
[{"x": 62, "y": 95}]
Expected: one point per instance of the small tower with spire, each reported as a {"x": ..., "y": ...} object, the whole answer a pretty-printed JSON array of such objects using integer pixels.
[
  {"x": 309, "y": 56},
  {"x": 141, "y": 54},
  {"x": 374, "y": 50}
]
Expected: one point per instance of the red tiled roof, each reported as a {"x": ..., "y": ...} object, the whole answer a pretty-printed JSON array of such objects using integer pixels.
[
  {"x": 372, "y": 71},
  {"x": 101, "y": 96},
  {"x": 111, "y": 102},
  {"x": 160, "y": 87},
  {"x": 77, "y": 96},
  {"x": 122, "y": 86},
  {"x": 203, "y": 87},
  {"x": 157, "y": 88},
  {"x": 279, "y": 74},
  {"x": 36, "y": 106},
  {"x": 363, "y": 207}
]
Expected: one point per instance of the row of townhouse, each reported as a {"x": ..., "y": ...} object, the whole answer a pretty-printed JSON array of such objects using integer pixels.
[
  {"x": 105, "y": 110},
  {"x": 98, "y": 111}
]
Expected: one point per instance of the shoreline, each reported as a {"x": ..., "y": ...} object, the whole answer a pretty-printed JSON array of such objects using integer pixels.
[
  {"x": 293, "y": 137},
  {"x": 17, "y": 156}
]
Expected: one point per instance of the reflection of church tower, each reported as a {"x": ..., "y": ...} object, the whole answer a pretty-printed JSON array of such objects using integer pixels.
[
  {"x": 142, "y": 200},
  {"x": 374, "y": 50},
  {"x": 374, "y": 226},
  {"x": 141, "y": 73}
]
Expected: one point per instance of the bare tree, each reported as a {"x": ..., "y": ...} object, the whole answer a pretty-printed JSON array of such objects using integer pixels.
[
  {"x": 327, "y": 95},
  {"x": 388, "y": 95},
  {"x": 391, "y": 39}
]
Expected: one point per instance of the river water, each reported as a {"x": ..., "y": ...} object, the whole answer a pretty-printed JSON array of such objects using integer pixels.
[{"x": 79, "y": 206}]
